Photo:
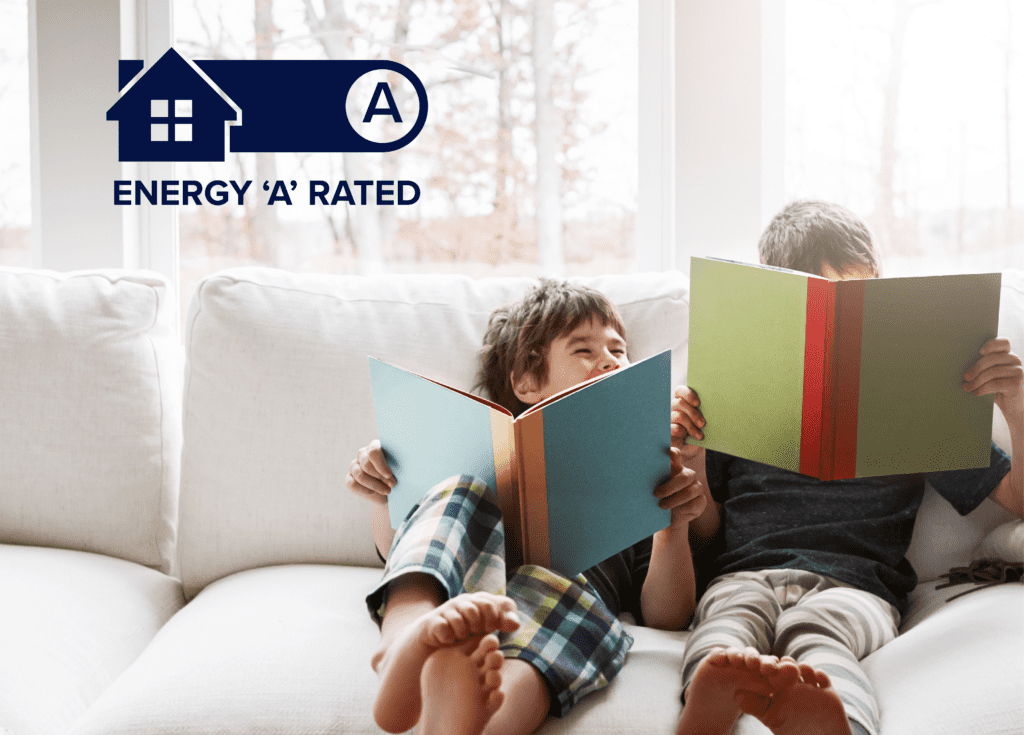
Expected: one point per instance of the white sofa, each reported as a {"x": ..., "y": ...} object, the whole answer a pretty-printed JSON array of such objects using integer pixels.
[{"x": 179, "y": 555}]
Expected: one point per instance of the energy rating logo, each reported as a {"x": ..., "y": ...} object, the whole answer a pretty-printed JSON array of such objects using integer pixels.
[{"x": 177, "y": 109}]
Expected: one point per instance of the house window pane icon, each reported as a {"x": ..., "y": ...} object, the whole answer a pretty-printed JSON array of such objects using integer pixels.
[
  {"x": 158, "y": 108},
  {"x": 158, "y": 132},
  {"x": 183, "y": 108},
  {"x": 183, "y": 132}
]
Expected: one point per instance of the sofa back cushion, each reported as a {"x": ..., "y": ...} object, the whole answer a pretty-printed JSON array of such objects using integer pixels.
[
  {"x": 90, "y": 398},
  {"x": 277, "y": 397}
]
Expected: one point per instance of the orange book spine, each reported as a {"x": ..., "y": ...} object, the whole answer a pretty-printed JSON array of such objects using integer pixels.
[{"x": 533, "y": 491}]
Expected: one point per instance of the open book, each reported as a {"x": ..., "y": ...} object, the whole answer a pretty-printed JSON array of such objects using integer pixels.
[
  {"x": 574, "y": 475},
  {"x": 840, "y": 379}
]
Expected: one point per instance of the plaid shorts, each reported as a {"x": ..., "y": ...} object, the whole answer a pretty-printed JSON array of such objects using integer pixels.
[{"x": 455, "y": 535}]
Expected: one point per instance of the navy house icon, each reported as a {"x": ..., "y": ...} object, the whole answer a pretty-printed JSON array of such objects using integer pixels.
[{"x": 177, "y": 111}]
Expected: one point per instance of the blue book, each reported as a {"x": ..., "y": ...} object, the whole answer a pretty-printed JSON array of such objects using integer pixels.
[{"x": 574, "y": 475}]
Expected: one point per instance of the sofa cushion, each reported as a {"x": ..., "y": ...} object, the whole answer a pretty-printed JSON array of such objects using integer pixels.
[
  {"x": 89, "y": 413},
  {"x": 277, "y": 397},
  {"x": 281, "y": 649},
  {"x": 70, "y": 623},
  {"x": 957, "y": 667}
]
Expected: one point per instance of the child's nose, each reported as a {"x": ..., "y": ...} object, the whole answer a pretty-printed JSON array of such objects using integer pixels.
[{"x": 608, "y": 362}]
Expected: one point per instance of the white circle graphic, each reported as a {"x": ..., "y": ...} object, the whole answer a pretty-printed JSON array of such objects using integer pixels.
[{"x": 382, "y": 106}]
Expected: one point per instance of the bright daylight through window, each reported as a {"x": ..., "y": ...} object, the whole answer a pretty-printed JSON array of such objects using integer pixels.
[
  {"x": 912, "y": 115},
  {"x": 476, "y": 161}
]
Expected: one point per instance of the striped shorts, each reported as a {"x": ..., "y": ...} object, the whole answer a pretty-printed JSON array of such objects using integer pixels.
[
  {"x": 814, "y": 619},
  {"x": 455, "y": 534}
]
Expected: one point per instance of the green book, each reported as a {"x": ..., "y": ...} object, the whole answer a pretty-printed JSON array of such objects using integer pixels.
[
  {"x": 573, "y": 476},
  {"x": 840, "y": 379}
]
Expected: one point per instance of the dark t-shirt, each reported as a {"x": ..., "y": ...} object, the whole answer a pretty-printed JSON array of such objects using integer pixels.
[
  {"x": 854, "y": 531},
  {"x": 619, "y": 579}
]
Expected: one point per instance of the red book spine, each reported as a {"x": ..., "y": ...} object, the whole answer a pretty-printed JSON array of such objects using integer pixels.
[
  {"x": 819, "y": 294},
  {"x": 828, "y": 403}
]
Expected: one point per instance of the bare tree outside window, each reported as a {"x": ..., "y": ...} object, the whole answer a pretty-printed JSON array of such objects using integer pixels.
[{"x": 527, "y": 162}]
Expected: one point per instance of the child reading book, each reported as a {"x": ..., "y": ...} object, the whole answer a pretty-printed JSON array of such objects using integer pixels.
[
  {"x": 812, "y": 576},
  {"x": 469, "y": 645}
]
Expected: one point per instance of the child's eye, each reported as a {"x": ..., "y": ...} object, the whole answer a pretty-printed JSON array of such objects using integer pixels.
[{"x": 583, "y": 350}]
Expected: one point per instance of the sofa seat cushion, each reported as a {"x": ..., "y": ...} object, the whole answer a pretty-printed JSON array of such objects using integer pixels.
[
  {"x": 643, "y": 698},
  {"x": 282, "y": 649},
  {"x": 70, "y": 623},
  {"x": 956, "y": 667}
]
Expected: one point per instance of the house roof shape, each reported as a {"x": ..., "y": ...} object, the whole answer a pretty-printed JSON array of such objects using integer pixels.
[
  {"x": 169, "y": 132},
  {"x": 171, "y": 77}
]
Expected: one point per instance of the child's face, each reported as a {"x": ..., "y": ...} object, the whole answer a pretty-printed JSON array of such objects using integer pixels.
[
  {"x": 849, "y": 273},
  {"x": 586, "y": 352}
]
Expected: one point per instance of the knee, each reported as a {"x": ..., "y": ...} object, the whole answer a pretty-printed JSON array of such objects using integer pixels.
[
  {"x": 815, "y": 622},
  {"x": 552, "y": 580},
  {"x": 461, "y": 487}
]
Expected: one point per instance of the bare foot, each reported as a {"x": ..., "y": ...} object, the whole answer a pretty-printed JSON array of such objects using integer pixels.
[
  {"x": 461, "y": 688},
  {"x": 806, "y": 706},
  {"x": 711, "y": 707},
  {"x": 461, "y": 620}
]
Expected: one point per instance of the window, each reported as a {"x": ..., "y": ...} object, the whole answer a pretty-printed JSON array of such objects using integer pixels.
[
  {"x": 161, "y": 109},
  {"x": 475, "y": 161},
  {"x": 15, "y": 177},
  {"x": 910, "y": 114}
]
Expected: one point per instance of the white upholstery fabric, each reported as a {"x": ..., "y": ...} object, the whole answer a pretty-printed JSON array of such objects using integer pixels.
[
  {"x": 957, "y": 670},
  {"x": 277, "y": 397},
  {"x": 275, "y": 650},
  {"x": 89, "y": 413},
  {"x": 70, "y": 623}
]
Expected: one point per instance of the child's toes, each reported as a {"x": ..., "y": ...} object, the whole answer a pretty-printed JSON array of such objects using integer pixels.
[
  {"x": 808, "y": 674},
  {"x": 718, "y": 657},
  {"x": 787, "y": 675},
  {"x": 493, "y": 702},
  {"x": 456, "y": 623},
  {"x": 487, "y": 646},
  {"x": 769, "y": 666}
]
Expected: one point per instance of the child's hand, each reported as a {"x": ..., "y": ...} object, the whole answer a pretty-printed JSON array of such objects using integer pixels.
[
  {"x": 998, "y": 372},
  {"x": 687, "y": 421},
  {"x": 369, "y": 474},
  {"x": 684, "y": 493}
]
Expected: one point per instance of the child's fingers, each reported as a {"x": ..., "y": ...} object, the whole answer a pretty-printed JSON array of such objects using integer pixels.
[
  {"x": 371, "y": 459},
  {"x": 989, "y": 361},
  {"x": 688, "y": 452},
  {"x": 688, "y": 394},
  {"x": 363, "y": 483},
  {"x": 676, "y": 461},
  {"x": 998, "y": 344},
  {"x": 997, "y": 379},
  {"x": 684, "y": 424}
]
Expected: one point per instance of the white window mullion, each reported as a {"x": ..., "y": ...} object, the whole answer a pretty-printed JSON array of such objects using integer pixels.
[
  {"x": 655, "y": 227},
  {"x": 151, "y": 232}
]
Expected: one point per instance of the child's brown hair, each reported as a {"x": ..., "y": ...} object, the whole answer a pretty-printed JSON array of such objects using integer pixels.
[
  {"x": 518, "y": 336},
  {"x": 807, "y": 234}
]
